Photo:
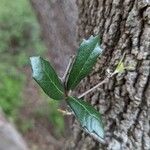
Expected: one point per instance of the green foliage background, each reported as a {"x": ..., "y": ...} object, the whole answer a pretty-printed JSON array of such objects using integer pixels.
[
  {"x": 19, "y": 29},
  {"x": 20, "y": 38},
  {"x": 10, "y": 85}
]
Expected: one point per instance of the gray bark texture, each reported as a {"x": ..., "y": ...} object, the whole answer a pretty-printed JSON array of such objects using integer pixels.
[
  {"x": 58, "y": 23},
  {"x": 124, "y": 26}
]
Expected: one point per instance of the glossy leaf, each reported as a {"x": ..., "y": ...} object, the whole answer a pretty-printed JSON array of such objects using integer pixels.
[
  {"x": 88, "y": 116},
  {"x": 46, "y": 77},
  {"x": 87, "y": 55}
]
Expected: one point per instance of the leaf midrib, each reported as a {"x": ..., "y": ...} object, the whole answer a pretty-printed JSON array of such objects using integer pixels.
[
  {"x": 83, "y": 66},
  {"x": 50, "y": 79},
  {"x": 85, "y": 109}
]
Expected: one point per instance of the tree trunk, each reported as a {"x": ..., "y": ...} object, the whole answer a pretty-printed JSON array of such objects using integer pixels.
[
  {"x": 58, "y": 22},
  {"x": 124, "y": 102},
  {"x": 10, "y": 139}
]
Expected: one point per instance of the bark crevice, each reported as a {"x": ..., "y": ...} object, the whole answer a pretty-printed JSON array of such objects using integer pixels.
[{"x": 124, "y": 101}]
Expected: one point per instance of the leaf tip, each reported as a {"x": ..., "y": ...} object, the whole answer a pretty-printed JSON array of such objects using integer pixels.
[
  {"x": 88, "y": 117},
  {"x": 33, "y": 58},
  {"x": 35, "y": 63},
  {"x": 95, "y": 37}
]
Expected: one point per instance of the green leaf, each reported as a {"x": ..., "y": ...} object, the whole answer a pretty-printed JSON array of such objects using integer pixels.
[
  {"x": 87, "y": 55},
  {"x": 120, "y": 68},
  {"x": 88, "y": 116},
  {"x": 46, "y": 77}
]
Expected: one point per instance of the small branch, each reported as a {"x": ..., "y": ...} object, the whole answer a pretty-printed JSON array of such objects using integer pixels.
[
  {"x": 99, "y": 84},
  {"x": 65, "y": 112},
  {"x": 123, "y": 56},
  {"x": 69, "y": 92},
  {"x": 105, "y": 80},
  {"x": 67, "y": 69}
]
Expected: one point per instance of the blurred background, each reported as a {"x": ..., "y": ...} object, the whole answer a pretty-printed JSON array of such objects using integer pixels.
[{"x": 28, "y": 118}]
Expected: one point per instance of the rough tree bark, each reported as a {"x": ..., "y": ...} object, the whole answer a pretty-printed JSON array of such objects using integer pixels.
[
  {"x": 58, "y": 22},
  {"x": 124, "y": 26}
]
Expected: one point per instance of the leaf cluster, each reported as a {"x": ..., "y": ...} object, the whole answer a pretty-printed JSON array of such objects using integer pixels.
[{"x": 55, "y": 88}]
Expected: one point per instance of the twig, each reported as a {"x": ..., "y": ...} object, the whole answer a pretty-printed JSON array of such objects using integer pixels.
[
  {"x": 67, "y": 69},
  {"x": 104, "y": 81},
  {"x": 65, "y": 112},
  {"x": 122, "y": 58},
  {"x": 99, "y": 84}
]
